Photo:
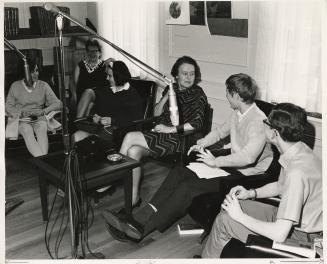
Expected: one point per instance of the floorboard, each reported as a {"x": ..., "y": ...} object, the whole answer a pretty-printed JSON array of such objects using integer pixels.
[{"x": 25, "y": 229}]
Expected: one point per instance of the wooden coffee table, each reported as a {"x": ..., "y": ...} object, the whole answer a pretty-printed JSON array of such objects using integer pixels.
[{"x": 98, "y": 172}]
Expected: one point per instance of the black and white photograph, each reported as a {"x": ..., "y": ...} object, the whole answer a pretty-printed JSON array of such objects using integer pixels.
[{"x": 163, "y": 131}]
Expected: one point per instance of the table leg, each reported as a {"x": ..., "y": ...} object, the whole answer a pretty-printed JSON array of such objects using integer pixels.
[
  {"x": 128, "y": 188},
  {"x": 43, "y": 184}
]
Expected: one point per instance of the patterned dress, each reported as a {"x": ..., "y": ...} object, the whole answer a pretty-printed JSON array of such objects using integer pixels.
[{"x": 192, "y": 103}]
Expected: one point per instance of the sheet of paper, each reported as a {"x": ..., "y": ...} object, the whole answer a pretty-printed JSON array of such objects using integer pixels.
[{"x": 206, "y": 172}]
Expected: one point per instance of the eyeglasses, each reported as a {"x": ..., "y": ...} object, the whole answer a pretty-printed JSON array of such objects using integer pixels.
[{"x": 268, "y": 124}]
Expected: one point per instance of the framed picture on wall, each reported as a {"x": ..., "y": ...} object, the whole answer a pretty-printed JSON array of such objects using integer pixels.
[
  {"x": 178, "y": 13},
  {"x": 197, "y": 16}
]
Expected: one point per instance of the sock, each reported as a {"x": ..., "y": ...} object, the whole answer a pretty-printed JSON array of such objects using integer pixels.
[{"x": 143, "y": 215}]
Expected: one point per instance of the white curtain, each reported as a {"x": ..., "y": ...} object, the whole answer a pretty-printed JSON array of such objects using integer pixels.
[
  {"x": 132, "y": 26},
  {"x": 288, "y": 57}
]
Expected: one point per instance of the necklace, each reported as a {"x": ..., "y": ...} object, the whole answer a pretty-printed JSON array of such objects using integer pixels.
[
  {"x": 92, "y": 67},
  {"x": 29, "y": 90}
]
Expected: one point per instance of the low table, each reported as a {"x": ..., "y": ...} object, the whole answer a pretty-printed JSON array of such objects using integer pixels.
[{"x": 98, "y": 173}]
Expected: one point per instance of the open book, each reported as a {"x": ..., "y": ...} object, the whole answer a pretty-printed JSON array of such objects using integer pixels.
[
  {"x": 205, "y": 171},
  {"x": 53, "y": 124},
  {"x": 298, "y": 247}
]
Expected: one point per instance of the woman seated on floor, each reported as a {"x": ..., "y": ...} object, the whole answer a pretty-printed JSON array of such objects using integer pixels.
[
  {"x": 117, "y": 104},
  {"x": 164, "y": 138},
  {"x": 30, "y": 103}
]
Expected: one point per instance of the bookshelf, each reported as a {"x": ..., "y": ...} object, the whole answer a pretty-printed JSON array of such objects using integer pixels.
[{"x": 25, "y": 33}]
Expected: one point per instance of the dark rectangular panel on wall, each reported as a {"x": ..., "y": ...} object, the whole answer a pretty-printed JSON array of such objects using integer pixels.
[{"x": 228, "y": 27}]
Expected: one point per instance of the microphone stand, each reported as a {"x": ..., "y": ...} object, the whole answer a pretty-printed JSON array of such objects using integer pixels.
[
  {"x": 66, "y": 136},
  {"x": 52, "y": 8}
]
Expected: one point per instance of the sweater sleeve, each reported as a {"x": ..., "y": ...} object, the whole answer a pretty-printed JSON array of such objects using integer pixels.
[
  {"x": 198, "y": 118},
  {"x": 52, "y": 103},
  {"x": 251, "y": 150},
  {"x": 12, "y": 106},
  {"x": 218, "y": 133}
]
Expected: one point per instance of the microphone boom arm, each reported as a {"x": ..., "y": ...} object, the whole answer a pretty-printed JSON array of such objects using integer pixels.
[
  {"x": 52, "y": 8},
  {"x": 12, "y": 47}
]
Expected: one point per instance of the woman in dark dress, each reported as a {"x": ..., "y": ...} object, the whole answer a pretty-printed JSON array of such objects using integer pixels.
[
  {"x": 164, "y": 139},
  {"x": 117, "y": 104},
  {"x": 90, "y": 73}
]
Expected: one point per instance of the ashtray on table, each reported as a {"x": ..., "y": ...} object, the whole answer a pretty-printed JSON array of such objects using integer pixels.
[{"x": 115, "y": 157}]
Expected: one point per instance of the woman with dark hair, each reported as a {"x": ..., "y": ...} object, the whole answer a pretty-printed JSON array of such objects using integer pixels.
[
  {"x": 90, "y": 72},
  {"x": 117, "y": 104},
  {"x": 30, "y": 104},
  {"x": 164, "y": 139}
]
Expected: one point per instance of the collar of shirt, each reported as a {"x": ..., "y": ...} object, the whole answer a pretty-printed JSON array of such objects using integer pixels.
[
  {"x": 124, "y": 87},
  {"x": 287, "y": 157},
  {"x": 241, "y": 116},
  {"x": 27, "y": 88}
]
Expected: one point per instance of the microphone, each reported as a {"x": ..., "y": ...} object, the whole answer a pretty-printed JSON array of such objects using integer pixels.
[
  {"x": 51, "y": 8},
  {"x": 173, "y": 108},
  {"x": 59, "y": 22},
  {"x": 27, "y": 73}
]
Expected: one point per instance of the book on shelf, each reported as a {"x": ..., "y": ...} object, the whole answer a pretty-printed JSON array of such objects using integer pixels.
[
  {"x": 11, "y": 21},
  {"x": 189, "y": 229},
  {"x": 301, "y": 248},
  {"x": 43, "y": 22}
]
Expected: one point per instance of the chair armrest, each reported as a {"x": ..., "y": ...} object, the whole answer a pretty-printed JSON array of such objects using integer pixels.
[{"x": 259, "y": 246}]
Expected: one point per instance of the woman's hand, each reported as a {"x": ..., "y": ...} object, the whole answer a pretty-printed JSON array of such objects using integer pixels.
[
  {"x": 240, "y": 192},
  {"x": 109, "y": 62},
  {"x": 232, "y": 206},
  {"x": 106, "y": 121},
  {"x": 32, "y": 112},
  {"x": 196, "y": 148},
  {"x": 206, "y": 157},
  {"x": 164, "y": 129},
  {"x": 96, "y": 118}
]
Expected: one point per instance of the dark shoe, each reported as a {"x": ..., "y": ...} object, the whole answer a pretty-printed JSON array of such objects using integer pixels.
[
  {"x": 123, "y": 211},
  {"x": 126, "y": 225},
  {"x": 120, "y": 236},
  {"x": 197, "y": 256}
]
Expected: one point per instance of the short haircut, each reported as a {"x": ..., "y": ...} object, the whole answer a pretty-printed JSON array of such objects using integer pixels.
[
  {"x": 243, "y": 85},
  {"x": 32, "y": 62},
  {"x": 289, "y": 120},
  {"x": 188, "y": 60},
  {"x": 92, "y": 43},
  {"x": 120, "y": 73}
]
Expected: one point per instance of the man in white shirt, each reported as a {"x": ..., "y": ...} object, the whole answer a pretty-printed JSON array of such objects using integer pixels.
[{"x": 299, "y": 214}]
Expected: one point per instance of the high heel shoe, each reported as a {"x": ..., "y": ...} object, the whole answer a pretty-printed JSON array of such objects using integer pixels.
[{"x": 122, "y": 211}]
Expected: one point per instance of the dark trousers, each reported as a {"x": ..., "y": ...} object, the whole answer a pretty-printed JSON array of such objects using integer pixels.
[{"x": 176, "y": 193}]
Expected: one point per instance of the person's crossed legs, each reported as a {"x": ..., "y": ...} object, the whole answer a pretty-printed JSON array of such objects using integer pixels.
[{"x": 225, "y": 228}]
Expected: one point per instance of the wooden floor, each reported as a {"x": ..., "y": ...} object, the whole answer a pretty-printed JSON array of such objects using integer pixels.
[{"x": 25, "y": 228}]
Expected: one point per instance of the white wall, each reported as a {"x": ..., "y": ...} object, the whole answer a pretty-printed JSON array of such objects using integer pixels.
[{"x": 232, "y": 55}]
